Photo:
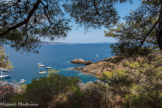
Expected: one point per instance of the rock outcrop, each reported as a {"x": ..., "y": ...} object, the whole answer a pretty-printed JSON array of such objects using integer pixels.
[
  {"x": 8, "y": 89},
  {"x": 99, "y": 67},
  {"x": 81, "y": 61}
]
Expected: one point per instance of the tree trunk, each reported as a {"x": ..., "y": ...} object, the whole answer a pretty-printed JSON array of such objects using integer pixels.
[{"x": 159, "y": 31}]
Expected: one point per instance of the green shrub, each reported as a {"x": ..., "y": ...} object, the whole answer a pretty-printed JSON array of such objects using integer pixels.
[
  {"x": 43, "y": 90},
  {"x": 119, "y": 81},
  {"x": 89, "y": 96}
]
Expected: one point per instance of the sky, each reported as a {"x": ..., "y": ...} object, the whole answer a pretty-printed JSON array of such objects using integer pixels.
[{"x": 80, "y": 35}]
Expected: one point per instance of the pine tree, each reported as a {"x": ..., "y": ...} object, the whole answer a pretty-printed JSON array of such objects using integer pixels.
[{"x": 4, "y": 62}]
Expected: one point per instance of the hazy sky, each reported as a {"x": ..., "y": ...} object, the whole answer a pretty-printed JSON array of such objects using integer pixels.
[{"x": 79, "y": 35}]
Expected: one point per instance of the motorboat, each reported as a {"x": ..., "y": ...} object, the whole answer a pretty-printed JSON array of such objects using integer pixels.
[
  {"x": 48, "y": 67},
  {"x": 22, "y": 81},
  {"x": 42, "y": 72},
  {"x": 40, "y": 65}
]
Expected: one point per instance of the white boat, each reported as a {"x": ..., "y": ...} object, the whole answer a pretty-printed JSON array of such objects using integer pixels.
[
  {"x": 42, "y": 72},
  {"x": 48, "y": 67},
  {"x": 22, "y": 81},
  {"x": 4, "y": 76},
  {"x": 40, "y": 65}
]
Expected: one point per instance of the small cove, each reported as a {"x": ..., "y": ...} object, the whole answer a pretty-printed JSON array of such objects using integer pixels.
[{"x": 58, "y": 57}]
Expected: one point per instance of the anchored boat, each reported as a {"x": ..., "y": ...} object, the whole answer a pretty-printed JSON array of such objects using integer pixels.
[
  {"x": 40, "y": 65},
  {"x": 22, "y": 81},
  {"x": 42, "y": 72},
  {"x": 4, "y": 76},
  {"x": 48, "y": 67}
]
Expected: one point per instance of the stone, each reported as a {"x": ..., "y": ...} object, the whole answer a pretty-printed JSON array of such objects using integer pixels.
[{"x": 81, "y": 61}]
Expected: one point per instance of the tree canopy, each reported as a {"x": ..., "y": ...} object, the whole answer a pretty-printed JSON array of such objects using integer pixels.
[
  {"x": 142, "y": 25},
  {"x": 24, "y": 22}
]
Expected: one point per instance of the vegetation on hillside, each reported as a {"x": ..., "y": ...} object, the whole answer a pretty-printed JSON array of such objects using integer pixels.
[{"x": 137, "y": 84}]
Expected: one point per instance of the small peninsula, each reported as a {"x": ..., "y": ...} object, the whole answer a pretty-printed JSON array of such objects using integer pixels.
[{"x": 117, "y": 62}]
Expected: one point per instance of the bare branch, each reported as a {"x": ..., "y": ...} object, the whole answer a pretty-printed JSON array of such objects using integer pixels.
[
  {"x": 95, "y": 6},
  {"x": 11, "y": 5},
  {"x": 46, "y": 14},
  {"x": 142, "y": 42},
  {"x": 35, "y": 7}
]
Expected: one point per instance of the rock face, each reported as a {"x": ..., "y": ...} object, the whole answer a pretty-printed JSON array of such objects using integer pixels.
[
  {"x": 97, "y": 68},
  {"x": 81, "y": 61}
]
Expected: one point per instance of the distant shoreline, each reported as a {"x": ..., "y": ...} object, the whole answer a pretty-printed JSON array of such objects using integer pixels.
[{"x": 62, "y": 43}]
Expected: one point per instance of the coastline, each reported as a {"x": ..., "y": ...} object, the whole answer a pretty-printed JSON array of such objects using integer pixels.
[
  {"x": 113, "y": 63},
  {"x": 99, "y": 67}
]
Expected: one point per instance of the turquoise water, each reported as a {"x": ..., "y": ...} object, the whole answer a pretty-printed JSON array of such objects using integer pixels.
[{"x": 56, "y": 56}]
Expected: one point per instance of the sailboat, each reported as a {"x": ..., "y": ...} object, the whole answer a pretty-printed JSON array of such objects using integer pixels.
[
  {"x": 97, "y": 55},
  {"x": 4, "y": 76},
  {"x": 4, "y": 70}
]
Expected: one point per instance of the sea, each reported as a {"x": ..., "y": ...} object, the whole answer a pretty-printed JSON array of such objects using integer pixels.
[{"x": 58, "y": 57}]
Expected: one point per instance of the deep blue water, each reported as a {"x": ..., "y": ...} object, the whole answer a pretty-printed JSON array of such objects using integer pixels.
[{"x": 56, "y": 56}]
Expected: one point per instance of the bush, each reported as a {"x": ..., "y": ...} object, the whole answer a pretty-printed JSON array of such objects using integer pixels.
[
  {"x": 119, "y": 82},
  {"x": 90, "y": 95},
  {"x": 43, "y": 90}
]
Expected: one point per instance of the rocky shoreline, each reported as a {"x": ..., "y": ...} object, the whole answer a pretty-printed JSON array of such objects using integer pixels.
[
  {"x": 98, "y": 68},
  {"x": 111, "y": 64},
  {"x": 81, "y": 61}
]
